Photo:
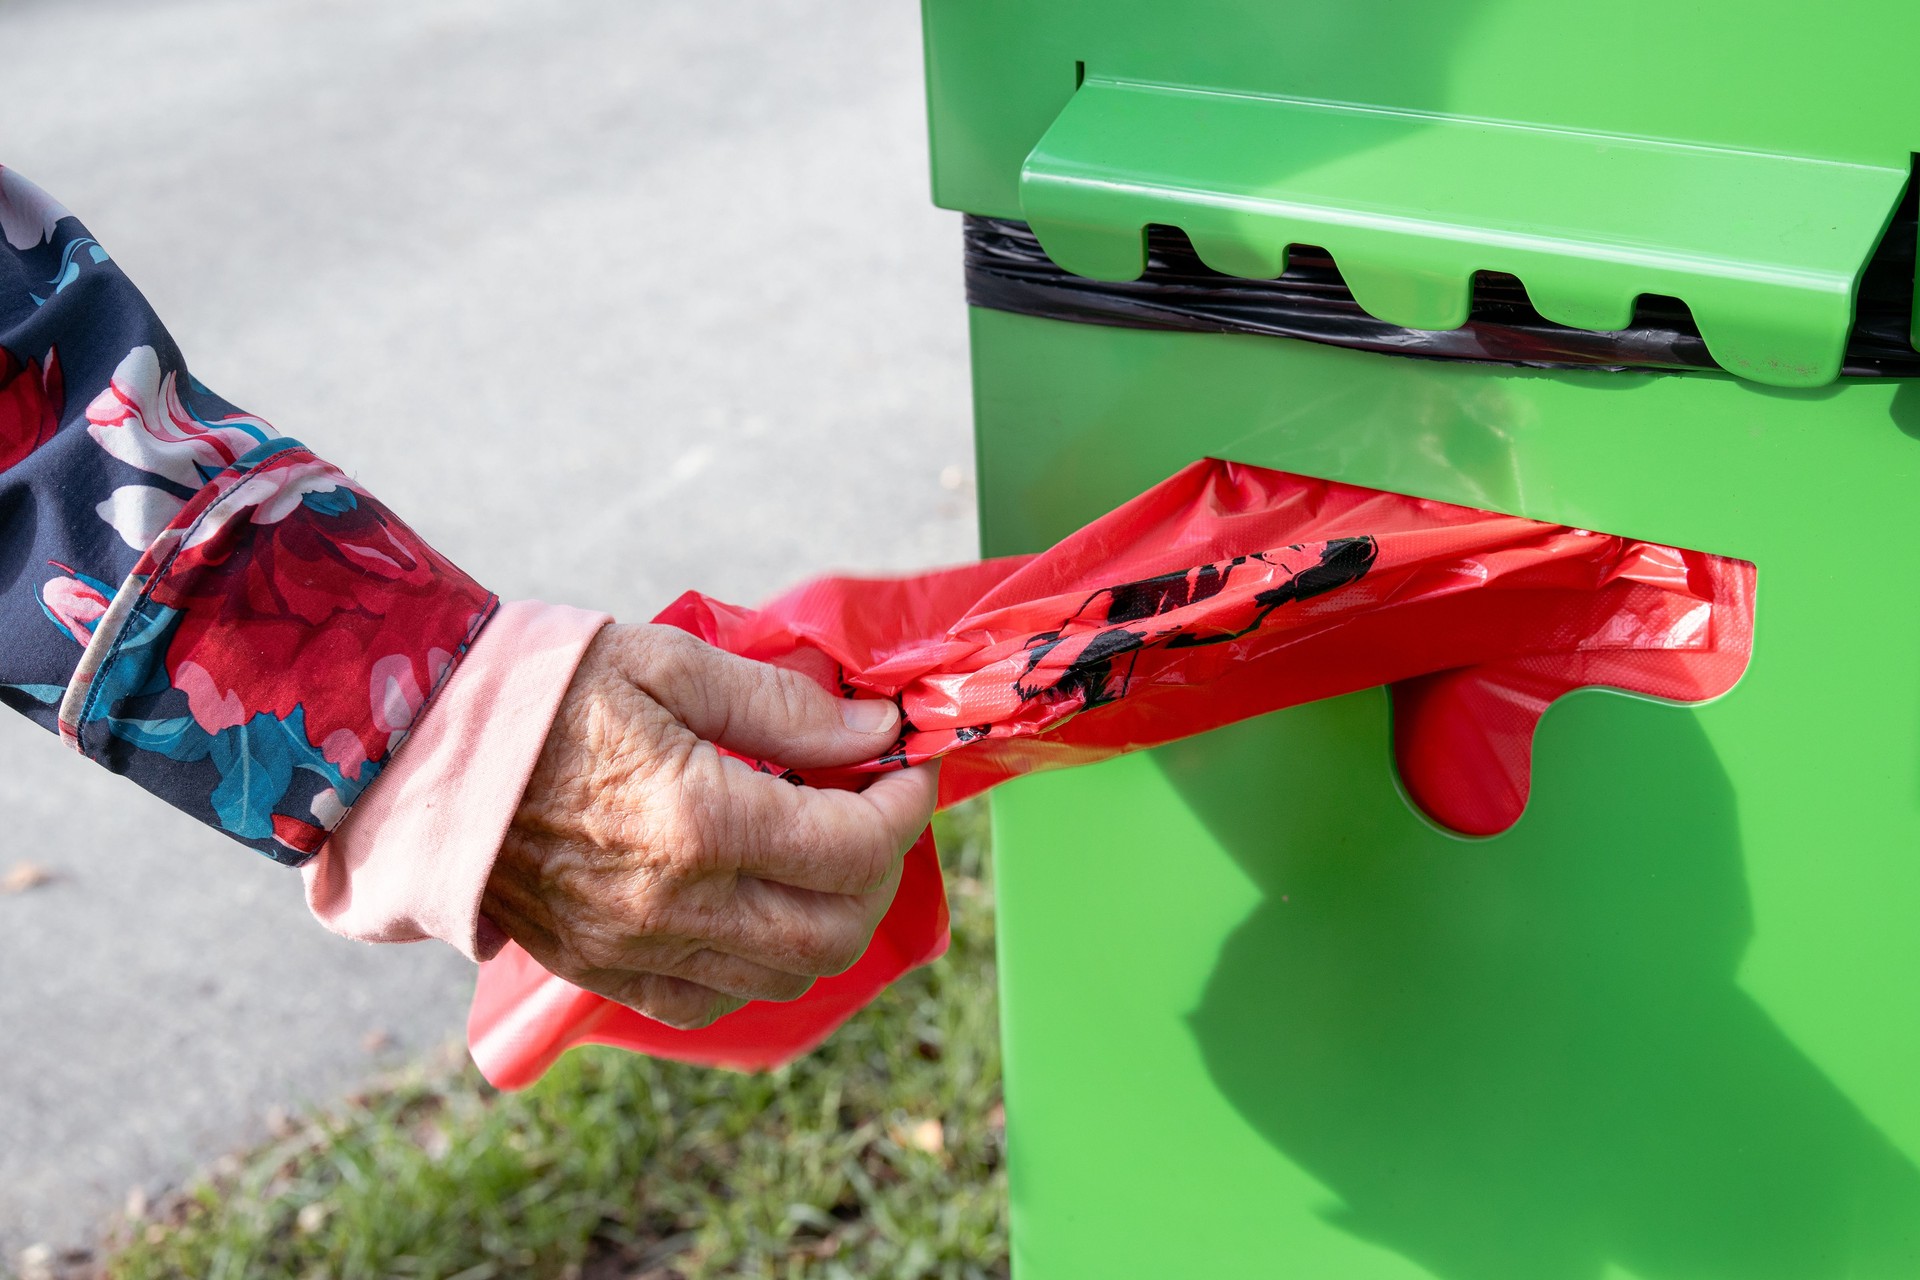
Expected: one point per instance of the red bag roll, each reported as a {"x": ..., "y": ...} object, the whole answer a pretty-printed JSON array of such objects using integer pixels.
[{"x": 1226, "y": 591}]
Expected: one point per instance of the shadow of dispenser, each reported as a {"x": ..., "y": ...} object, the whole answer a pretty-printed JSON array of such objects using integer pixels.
[{"x": 1529, "y": 1056}]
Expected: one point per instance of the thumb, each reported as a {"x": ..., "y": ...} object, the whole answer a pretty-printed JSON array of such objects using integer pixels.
[{"x": 755, "y": 708}]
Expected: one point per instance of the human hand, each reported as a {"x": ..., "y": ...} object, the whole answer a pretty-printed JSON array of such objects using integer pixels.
[{"x": 646, "y": 866}]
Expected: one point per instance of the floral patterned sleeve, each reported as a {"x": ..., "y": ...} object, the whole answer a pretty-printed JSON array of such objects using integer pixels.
[{"x": 187, "y": 597}]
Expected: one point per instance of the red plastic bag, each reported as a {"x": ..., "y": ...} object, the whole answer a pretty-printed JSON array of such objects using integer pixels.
[{"x": 1225, "y": 592}]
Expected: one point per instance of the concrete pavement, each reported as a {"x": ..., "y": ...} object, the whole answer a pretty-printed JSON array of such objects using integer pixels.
[{"x": 610, "y": 298}]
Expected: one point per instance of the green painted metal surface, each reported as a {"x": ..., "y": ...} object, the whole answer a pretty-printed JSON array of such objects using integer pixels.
[
  {"x": 1261, "y": 1017},
  {"x": 1264, "y": 1020},
  {"x": 1742, "y": 157},
  {"x": 1766, "y": 250},
  {"x": 1833, "y": 81}
]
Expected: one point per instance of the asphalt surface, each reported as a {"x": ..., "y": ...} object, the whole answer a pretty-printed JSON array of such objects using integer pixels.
[{"x": 609, "y": 298}]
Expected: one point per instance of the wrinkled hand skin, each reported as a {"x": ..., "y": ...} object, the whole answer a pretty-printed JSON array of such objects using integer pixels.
[{"x": 646, "y": 866}]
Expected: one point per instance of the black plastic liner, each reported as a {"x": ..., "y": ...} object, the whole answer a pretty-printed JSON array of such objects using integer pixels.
[{"x": 1008, "y": 271}]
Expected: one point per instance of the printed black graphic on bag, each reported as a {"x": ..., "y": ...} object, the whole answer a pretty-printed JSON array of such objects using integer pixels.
[{"x": 1082, "y": 658}]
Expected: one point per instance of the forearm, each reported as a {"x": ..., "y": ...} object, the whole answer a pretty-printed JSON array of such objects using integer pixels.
[
  {"x": 412, "y": 860},
  {"x": 190, "y": 599}
]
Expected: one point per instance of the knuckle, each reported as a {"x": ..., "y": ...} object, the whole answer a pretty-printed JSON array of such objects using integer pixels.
[
  {"x": 843, "y": 959},
  {"x": 599, "y": 951},
  {"x": 790, "y": 697},
  {"x": 788, "y": 986},
  {"x": 592, "y": 956},
  {"x": 704, "y": 855},
  {"x": 657, "y": 997},
  {"x": 867, "y": 852},
  {"x": 877, "y": 867},
  {"x": 671, "y": 666},
  {"x": 583, "y": 953},
  {"x": 645, "y": 907},
  {"x": 566, "y": 962},
  {"x": 652, "y": 916},
  {"x": 692, "y": 827},
  {"x": 669, "y": 649},
  {"x": 857, "y": 851},
  {"x": 836, "y": 950},
  {"x": 793, "y": 943},
  {"x": 677, "y": 837},
  {"x": 603, "y": 950},
  {"x": 684, "y": 1005},
  {"x": 674, "y": 764}
]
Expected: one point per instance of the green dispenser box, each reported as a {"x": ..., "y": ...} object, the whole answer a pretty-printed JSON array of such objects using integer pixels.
[{"x": 1262, "y": 1017}]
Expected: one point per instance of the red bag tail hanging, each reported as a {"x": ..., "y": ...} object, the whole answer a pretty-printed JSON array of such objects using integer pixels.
[{"x": 1225, "y": 592}]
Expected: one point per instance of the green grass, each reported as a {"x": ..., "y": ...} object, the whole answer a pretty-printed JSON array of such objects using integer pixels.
[{"x": 877, "y": 1156}]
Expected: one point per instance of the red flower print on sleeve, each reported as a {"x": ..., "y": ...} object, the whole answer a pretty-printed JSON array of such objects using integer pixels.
[
  {"x": 305, "y": 593},
  {"x": 31, "y": 399}
]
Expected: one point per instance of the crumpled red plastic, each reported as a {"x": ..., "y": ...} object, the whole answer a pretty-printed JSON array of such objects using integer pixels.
[{"x": 1224, "y": 592}]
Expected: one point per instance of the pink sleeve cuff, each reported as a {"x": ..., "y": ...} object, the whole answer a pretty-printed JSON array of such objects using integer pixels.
[{"x": 411, "y": 859}]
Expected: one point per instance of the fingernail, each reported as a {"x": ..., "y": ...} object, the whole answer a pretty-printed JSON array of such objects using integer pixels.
[{"x": 869, "y": 715}]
